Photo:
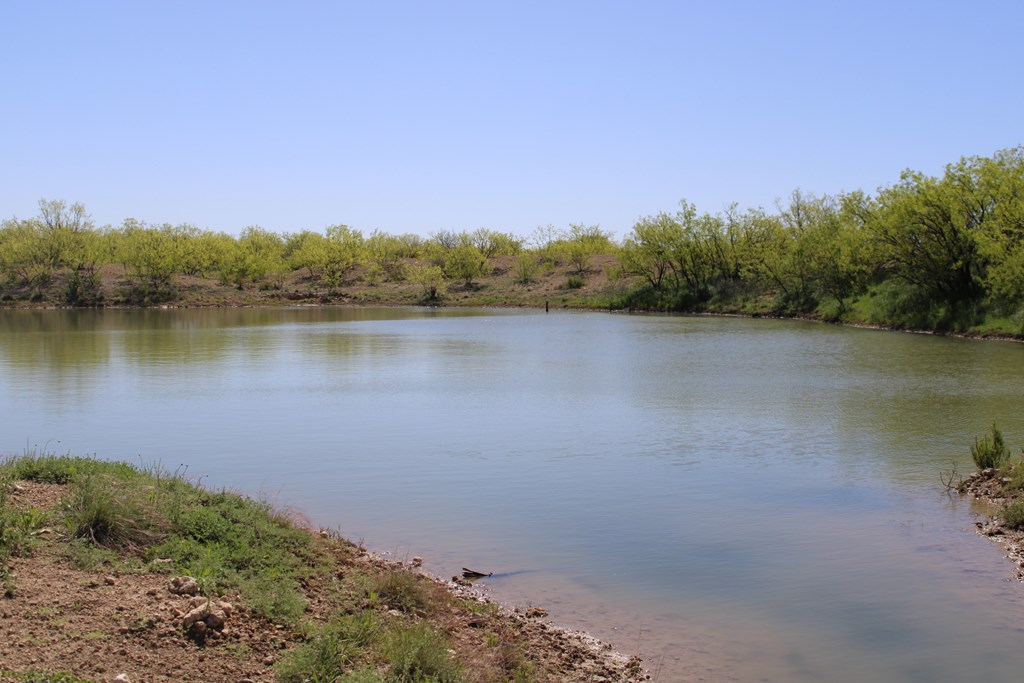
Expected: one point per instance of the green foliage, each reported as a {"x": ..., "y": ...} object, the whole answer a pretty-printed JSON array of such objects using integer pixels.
[
  {"x": 466, "y": 263},
  {"x": 61, "y": 469},
  {"x": 492, "y": 243},
  {"x": 990, "y": 451},
  {"x": 104, "y": 509},
  {"x": 401, "y": 590},
  {"x": 525, "y": 268},
  {"x": 574, "y": 282},
  {"x": 418, "y": 654},
  {"x": 1013, "y": 515},
  {"x": 222, "y": 539},
  {"x": 332, "y": 649},
  {"x": 431, "y": 281},
  {"x": 258, "y": 254}
]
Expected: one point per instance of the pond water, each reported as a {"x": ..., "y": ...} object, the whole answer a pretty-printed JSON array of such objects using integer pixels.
[{"x": 747, "y": 500}]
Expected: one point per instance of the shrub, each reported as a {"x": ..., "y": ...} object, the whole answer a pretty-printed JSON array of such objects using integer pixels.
[
  {"x": 990, "y": 452},
  {"x": 1013, "y": 515}
]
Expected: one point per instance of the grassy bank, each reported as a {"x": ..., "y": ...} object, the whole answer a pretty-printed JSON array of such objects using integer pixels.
[{"x": 111, "y": 570}]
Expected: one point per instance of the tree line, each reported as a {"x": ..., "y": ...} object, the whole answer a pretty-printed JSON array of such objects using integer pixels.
[
  {"x": 942, "y": 252},
  {"x": 930, "y": 252}
]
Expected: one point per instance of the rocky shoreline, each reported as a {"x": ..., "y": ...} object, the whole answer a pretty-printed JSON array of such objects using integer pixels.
[{"x": 990, "y": 485}]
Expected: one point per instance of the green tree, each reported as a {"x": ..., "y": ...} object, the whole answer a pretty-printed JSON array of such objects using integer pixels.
[
  {"x": 257, "y": 255},
  {"x": 927, "y": 233},
  {"x": 149, "y": 255},
  {"x": 466, "y": 263},
  {"x": 431, "y": 280},
  {"x": 343, "y": 250},
  {"x": 1000, "y": 183}
]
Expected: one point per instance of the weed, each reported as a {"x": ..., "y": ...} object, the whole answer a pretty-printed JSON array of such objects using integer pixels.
[
  {"x": 99, "y": 508},
  {"x": 990, "y": 452},
  {"x": 1013, "y": 515},
  {"x": 10, "y": 590},
  {"x": 574, "y": 282},
  {"x": 401, "y": 590},
  {"x": 274, "y": 595},
  {"x": 417, "y": 654},
  {"x": 364, "y": 674},
  {"x": 323, "y": 658}
]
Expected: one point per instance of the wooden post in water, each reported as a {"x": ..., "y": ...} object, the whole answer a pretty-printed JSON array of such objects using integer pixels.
[{"x": 545, "y": 306}]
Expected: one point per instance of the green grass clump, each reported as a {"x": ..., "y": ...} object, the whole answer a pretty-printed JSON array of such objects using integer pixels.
[
  {"x": 17, "y": 527},
  {"x": 1013, "y": 515},
  {"x": 332, "y": 651},
  {"x": 418, "y": 654},
  {"x": 990, "y": 452},
  {"x": 105, "y": 509},
  {"x": 401, "y": 590}
]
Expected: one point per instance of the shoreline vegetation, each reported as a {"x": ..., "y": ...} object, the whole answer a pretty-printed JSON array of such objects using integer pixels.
[
  {"x": 999, "y": 482},
  {"x": 110, "y": 572},
  {"x": 938, "y": 254}
]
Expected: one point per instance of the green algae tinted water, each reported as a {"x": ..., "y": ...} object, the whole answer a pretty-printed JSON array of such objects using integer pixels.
[{"x": 732, "y": 499}]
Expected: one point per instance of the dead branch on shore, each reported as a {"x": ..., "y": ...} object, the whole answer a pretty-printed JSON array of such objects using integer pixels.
[{"x": 947, "y": 477}]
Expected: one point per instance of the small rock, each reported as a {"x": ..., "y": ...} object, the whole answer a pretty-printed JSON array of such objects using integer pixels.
[
  {"x": 394, "y": 613},
  {"x": 268, "y": 660},
  {"x": 122, "y": 678},
  {"x": 227, "y": 608},
  {"x": 109, "y": 580},
  {"x": 417, "y": 561},
  {"x": 184, "y": 585},
  {"x": 535, "y": 612}
]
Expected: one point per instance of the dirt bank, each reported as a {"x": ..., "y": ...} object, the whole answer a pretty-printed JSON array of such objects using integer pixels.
[{"x": 100, "y": 616}]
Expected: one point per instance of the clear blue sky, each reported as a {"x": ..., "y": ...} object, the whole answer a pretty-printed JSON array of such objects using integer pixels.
[{"x": 419, "y": 116}]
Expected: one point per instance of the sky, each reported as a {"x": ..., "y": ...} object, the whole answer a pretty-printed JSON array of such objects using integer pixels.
[{"x": 414, "y": 117}]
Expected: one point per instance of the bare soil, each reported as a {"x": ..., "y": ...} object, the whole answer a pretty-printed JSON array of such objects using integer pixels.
[
  {"x": 107, "y": 623},
  {"x": 558, "y": 286}
]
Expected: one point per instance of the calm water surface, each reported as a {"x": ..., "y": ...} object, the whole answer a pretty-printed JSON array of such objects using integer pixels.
[{"x": 743, "y": 500}]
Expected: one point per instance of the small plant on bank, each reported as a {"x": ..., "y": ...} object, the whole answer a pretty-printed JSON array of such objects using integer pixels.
[
  {"x": 417, "y": 654},
  {"x": 574, "y": 282},
  {"x": 990, "y": 452},
  {"x": 401, "y": 590},
  {"x": 1013, "y": 515},
  {"x": 101, "y": 509}
]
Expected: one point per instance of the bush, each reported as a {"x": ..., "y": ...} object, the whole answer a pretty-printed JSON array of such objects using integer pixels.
[
  {"x": 1013, "y": 515},
  {"x": 990, "y": 452}
]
